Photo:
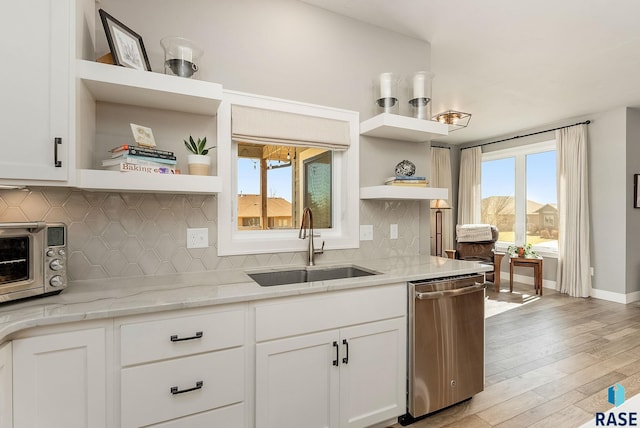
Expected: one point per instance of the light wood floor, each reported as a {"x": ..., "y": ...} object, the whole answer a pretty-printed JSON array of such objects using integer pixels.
[{"x": 549, "y": 361}]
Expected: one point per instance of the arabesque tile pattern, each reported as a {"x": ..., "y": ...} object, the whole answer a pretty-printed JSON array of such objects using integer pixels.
[{"x": 115, "y": 235}]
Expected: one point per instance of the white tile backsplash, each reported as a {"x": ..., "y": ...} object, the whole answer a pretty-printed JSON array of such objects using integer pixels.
[{"x": 117, "y": 235}]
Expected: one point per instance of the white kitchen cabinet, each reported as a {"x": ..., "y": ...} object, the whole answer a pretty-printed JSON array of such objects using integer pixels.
[
  {"x": 372, "y": 381},
  {"x": 59, "y": 380},
  {"x": 6, "y": 382},
  {"x": 332, "y": 361},
  {"x": 183, "y": 369},
  {"x": 314, "y": 381},
  {"x": 297, "y": 382},
  {"x": 37, "y": 45}
]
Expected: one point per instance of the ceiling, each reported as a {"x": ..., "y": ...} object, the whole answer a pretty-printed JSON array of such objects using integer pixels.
[{"x": 517, "y": 64}]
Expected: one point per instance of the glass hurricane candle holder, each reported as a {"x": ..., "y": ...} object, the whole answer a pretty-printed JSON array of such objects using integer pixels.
[
  {"x": 387, "y": 93},
  {"x": 420, "y": 96}
]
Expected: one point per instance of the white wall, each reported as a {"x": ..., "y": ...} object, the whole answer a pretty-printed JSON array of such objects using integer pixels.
[
  {"x": 286, "y": 49},
  {"x": 633, "y": 214},
  {"x": 607, "y": 199}
]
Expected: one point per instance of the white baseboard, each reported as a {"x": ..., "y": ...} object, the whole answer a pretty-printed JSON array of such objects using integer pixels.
[
  {"x": 595, "y": 293},
  {"x": 615, "y": 297}
]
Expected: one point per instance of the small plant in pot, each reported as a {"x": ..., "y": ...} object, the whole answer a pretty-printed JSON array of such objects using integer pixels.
[{"x": 199, "y": 162}]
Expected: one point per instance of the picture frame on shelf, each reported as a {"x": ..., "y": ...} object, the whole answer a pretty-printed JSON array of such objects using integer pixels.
[
  {"x": 142, "y": 135},
  {"x": 636, "y": 193},
  {"x": 127, "y": 47}
]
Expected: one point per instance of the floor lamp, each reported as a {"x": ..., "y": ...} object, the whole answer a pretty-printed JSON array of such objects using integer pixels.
[{"x": 439, "y": 205}]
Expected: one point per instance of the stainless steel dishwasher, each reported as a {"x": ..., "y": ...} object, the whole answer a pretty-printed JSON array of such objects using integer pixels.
[{"x": 446, "y": 343}]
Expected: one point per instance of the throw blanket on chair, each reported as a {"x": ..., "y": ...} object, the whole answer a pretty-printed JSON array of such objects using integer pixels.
[{"x": 473, "y": 232}]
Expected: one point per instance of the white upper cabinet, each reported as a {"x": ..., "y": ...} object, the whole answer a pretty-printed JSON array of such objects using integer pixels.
[{"x": 36, "y": 46}]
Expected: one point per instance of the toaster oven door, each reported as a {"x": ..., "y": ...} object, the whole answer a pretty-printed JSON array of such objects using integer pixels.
[{"x": 21, "y": 263}]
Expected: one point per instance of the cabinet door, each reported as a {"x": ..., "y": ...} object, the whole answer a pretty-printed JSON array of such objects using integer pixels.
[
  {"x": 60, "y": 380},
  {"x": 36, "y": 46},
  {"x": 297, "y": 382},
  {"x": 372, "y": 372},
  {"x": 6, "y": 406}
]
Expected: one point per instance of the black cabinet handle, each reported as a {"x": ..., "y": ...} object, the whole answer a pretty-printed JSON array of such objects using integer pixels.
[
  {"x": 335, "y": 344},
  {"x": 56, "y": 142},
  {"x": 175, "y": 337},
  {"x": 176, "y": 391},
  {"x": 346, "y": 358}
]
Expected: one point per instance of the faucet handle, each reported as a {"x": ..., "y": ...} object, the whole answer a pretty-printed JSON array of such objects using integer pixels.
[{"x": 321, "y": 250}]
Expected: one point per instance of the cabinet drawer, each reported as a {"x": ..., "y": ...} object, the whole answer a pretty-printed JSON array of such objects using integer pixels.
[
  {"x": 231, "y": 416},
  {"x": 151, "y": 341},
  {"x": 146, "y": 390},
  {"x": 300, "y": 315}
]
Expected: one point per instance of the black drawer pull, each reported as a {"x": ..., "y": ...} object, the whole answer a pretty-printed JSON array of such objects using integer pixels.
[
  {"x": 335, "y": 344},
  {"x": 175, "y": 391},
  {"x": 346, "y": 358},
  {"x": 56, "y": 142},
  {"x": 175, "y": 337}
]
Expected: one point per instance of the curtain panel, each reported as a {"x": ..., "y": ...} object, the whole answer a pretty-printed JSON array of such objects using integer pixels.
[
  {"x": 441, "y": 177},
  {"x": 469, "y": 188},
  {"x": 573, "y": 276}
]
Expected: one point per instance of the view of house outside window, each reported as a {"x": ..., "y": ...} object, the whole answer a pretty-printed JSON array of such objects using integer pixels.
[{"x": 519, "y": 195}]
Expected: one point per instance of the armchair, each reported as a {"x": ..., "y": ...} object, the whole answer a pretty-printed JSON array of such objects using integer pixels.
[{"x": 481, "y": 251}]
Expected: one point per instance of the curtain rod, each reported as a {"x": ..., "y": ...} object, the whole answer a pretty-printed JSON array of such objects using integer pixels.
[
  {"x": 440, "y": 147},
  {"x": 586, "y": 122}
]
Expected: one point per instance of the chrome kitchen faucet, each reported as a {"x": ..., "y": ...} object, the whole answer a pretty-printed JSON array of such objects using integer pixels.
[{"x": 307, "y": 224}]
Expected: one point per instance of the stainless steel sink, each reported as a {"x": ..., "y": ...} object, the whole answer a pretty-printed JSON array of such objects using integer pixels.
[{"x": 295, "y": 276}]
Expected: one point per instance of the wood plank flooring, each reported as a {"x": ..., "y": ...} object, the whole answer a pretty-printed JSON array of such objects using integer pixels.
[{"x": 549, "y": 361}]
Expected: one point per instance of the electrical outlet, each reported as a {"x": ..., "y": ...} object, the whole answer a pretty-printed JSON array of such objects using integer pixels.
[
  {"x": 366, "y": 232},
  {"x": 591, "y": 270},
  {"x": 198, "y": 238},
  {"x": 393, "y": 231}
]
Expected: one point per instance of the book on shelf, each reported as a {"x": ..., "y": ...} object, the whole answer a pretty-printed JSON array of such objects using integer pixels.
[
  {"x": 409, "y": 184},
  {"x": 402, "y": 180},
  {"x": 143, "y": 149},
  {"x": 127, "y": 157},
  {"x": 138, "y": 152},
  {"x": 151, "y": 169}
]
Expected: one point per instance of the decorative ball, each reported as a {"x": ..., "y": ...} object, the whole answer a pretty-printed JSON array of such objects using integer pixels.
[{"x": 405, "y": 168}]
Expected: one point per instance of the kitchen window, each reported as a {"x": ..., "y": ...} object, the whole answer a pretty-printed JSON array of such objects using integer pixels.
[
  {"x": 519, "y": 196},
  {"x": 277, "y": 157}
]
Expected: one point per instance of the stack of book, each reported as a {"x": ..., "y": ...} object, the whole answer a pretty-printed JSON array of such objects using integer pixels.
[
  {"x": 128, "y": 157},
  {"x": 407, "y": 180}
]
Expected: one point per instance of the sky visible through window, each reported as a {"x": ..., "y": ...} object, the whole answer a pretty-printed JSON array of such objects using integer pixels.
[
  {"x": 278, "y": 180},
  {"x": 498, "y": 177}
]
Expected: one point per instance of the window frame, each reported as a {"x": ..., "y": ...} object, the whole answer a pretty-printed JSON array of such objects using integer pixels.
[
  {"x": 520, "y": 154},
  {"x": 345, "y": 174}
]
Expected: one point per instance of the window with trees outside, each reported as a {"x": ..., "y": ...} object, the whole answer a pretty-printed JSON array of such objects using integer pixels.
[{"x": 519, "y": 196}]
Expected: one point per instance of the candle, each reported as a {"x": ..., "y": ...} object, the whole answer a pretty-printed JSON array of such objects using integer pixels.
[
  {"x": 186, "y": 53},
  {"x": 418, "y": 84},
  {"x": 385, "y": 85}
]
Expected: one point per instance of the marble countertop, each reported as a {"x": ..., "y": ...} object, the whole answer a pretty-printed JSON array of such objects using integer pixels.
[{"x": 99, "y": 299}]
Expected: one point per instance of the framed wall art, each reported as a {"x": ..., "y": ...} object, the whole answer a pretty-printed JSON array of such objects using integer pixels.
[
  {"x": 126, "y": 46},
  {"x": 636, "y": 193}
]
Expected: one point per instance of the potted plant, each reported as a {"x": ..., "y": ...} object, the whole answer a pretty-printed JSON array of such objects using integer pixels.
[
  {"x": 522, "y": 251},
  {"x": 199, "y": 162}
]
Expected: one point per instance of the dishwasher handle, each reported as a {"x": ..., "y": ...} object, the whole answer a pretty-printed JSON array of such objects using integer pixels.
[{"x": 450, "y": 293}]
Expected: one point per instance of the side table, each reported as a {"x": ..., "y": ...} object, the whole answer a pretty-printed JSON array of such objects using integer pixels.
[{"x": 535, "y": 263}]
